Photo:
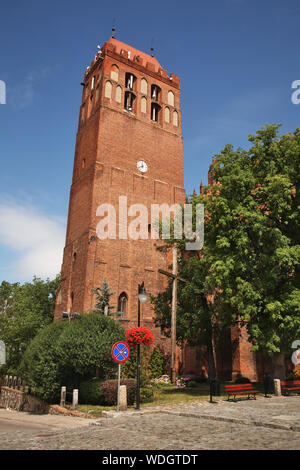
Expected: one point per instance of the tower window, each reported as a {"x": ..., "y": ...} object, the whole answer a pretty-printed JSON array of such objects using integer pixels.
[
  {"x": 144, "y": 86},
  {"x": 155, "y": 109},
  {"x": 122, "y": 303},
  {"x": 130, "y": 81},
  {"x": 114, "y": 74},
  {"x": 143, "y": 104},
  {"x": 155, "y": 92},
  {"x": 129, "y": 101},
  {"x": 167, "y": 115},
  {"x": 171, "y": 98},
  {"x": 119, "y": 94},
  {"x": 175, "y": 118},
  {"x": 108, "y": 90}
]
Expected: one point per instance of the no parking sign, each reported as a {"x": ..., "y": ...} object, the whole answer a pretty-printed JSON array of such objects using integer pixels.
[{"x": 120, "y": 353}]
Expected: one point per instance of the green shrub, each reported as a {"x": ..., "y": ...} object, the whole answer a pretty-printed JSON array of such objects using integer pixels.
[
  {"x": 147, "y": 394},
  {"x": 242, "y": 380},
  {"x": 66, "y": 354},
  {"x": 40, "y": 366},
  {"x": 109, "y": 390},
  {"x": 129, "y": 368},
  {"x": 90, "y": 392},
  {"x": 192, "y": 384},
  {"x": 157, "y": 363}
]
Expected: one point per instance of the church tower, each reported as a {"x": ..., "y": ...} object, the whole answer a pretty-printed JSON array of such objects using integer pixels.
[{"x": 129, "y": 143}]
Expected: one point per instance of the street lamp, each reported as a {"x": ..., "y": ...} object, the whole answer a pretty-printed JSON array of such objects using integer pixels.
[{"x": 142, "y": 298}]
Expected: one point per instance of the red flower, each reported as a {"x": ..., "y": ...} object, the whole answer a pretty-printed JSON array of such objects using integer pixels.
[{"x": 139, "y": 335}]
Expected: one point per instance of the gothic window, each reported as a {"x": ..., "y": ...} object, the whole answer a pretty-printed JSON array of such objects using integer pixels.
[
  {"x": 155, "y": 109},
  {"x": 144, "y": 86},
  {"x": 167, "y": 115},
  {"x": 171, "y": 98},
  {"x": 114, "y": 74},
  {"x": 119, "y": 94},
  {"x": 143, "y": 104},
  {"x": 122, "y": 303},
  {"x": 155, "y": 92},
  {"x": 175, "y": 118},
  {"x": 130, "y": 81},
  {"x": 129, "y": 101},
  {"x": 108, "y": 90}
]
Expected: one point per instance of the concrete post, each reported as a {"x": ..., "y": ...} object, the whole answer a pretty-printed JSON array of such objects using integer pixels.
[
  {"x": 123, "y": 398},
  {"x": 75, "y": 399},
  {"x": 277, "y": 387},
  {"x": 63, "y": 396}
]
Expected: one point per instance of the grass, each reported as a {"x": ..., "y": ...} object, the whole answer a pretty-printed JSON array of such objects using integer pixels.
[{"x": 169, "y": 395}]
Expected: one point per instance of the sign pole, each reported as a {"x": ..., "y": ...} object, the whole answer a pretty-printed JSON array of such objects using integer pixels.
[{"x": 119, "y": 380}]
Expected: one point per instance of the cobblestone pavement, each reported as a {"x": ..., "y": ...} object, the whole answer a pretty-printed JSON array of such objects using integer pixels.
[{"x": 257, "y": 424}]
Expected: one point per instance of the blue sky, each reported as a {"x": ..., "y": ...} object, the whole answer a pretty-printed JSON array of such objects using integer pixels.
[{"x": 236, "y": 59}]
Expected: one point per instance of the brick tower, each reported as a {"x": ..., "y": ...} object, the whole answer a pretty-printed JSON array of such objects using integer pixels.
[{"x": 130, "y": 113}]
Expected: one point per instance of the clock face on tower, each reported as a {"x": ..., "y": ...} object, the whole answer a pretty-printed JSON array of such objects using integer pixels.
[{"x": 142, "y": 166}]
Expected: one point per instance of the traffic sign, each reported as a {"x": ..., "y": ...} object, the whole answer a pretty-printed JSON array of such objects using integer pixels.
[{"x": 120, "y": 352}]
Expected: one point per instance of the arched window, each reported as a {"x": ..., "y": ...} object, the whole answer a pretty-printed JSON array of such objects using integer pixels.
[
  {"x": 130, "y": 80},
  {"x": 114, "y": 74},
  {"x": 143, "y": 104},
  {"x": 171, "y": 98},
  {"x": 108, "y": 90},
  {"x": 122, "y": 303},
  {"x": 144, "y": 86},
  {"x": 155, "y": 109},
  {"x": 129, "y": 101},
  {"x": 155, "y": 92},
  {"x": 167, "y": 115},
  {"x": 119, "y": 94},
  {"x": 175, "y": 118}
]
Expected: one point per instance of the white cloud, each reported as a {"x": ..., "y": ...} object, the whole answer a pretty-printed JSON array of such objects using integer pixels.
[{"x": 36, "y": 240}]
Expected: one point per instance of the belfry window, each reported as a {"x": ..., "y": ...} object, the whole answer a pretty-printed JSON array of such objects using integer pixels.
[
  {"x": 129, "y": 81},
  {"x": 155, "y": 109},
  {"x": 129, "y": 101},
  {"x": 122, "y": 303},
  {"x": 155, "y": 92}
]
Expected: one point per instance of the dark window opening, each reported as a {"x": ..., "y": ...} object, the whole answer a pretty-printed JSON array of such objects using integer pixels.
[
  {"x": 129, "y": 101},
  {"x": 155, "y": 109},
  {"x": 130, "y": 81},
  {"x": 155, "y": 92},
  {"x": 122, "y": 303}
]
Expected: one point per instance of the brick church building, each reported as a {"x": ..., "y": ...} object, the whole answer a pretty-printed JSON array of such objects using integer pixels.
[{"x": 129, "y": 143}]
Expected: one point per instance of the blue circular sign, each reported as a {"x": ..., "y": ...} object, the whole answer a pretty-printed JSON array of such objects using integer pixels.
[{"x": 120, "y": 351}]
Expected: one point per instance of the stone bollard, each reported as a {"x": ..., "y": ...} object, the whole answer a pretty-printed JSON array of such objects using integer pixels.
[
  {"x": 75, "y": 399},
  {"x": 63, "y": 396},
  {"x": 123, "y": 398},
  {"x": 277, "y": 388}
]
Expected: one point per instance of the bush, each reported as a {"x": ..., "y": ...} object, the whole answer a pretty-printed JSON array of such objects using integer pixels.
[
  {"x": 146, "y": 394},
  {"x": 129, "y": 368},
  {"x": 90, "y": 392},
  {"x": 242, "y": 380},
  {"x": 40, "y": 366},
  {"x": 66, "y": 353},
  {"x": 157, "y": 363},
  {"x": 109, "y": 391}
]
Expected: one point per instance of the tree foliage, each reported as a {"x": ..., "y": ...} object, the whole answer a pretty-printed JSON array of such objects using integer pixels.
[
  {"x": 24, "y": 310},
  {"x": 248, "y": 270}
]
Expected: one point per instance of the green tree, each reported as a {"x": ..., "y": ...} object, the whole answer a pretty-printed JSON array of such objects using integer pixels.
[
  {"x": 103, "y": 295},
  {"x": 25, "y": 309},
  {"x": 248, "y": 270}
]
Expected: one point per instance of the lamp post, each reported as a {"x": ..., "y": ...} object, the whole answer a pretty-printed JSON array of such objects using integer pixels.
[{"x": 142, "y": 298}]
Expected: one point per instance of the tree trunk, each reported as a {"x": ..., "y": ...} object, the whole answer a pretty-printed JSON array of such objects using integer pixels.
[{"x": 211, "y": 358}]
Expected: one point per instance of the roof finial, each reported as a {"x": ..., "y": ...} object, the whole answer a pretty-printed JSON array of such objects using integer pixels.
[
  {"x": 113, "y": 29},
  {"x": 152, "y": 47}
]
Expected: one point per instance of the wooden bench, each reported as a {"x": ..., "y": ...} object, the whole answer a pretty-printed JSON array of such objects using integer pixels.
[
  {"x": 241, "y": 389},
  {"x": 288, "y": 386}
]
